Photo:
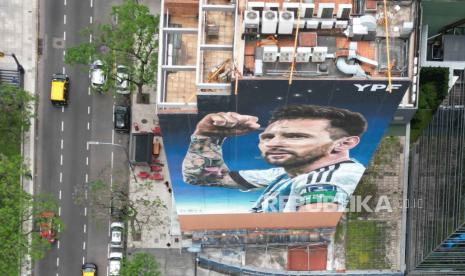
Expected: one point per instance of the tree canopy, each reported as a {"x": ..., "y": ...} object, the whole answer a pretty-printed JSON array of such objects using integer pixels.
[
  {"x": 131, "y": 41},
  {"x": 17, "y": 208},
  {"x": 15, "y": 114},
  {"x": 141, "y": 264}
]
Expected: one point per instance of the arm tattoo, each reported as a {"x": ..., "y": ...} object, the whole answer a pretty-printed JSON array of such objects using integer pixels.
[{"x": 204, "y": 164}]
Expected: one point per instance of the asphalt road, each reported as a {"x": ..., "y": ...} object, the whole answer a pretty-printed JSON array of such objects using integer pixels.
[{"x": 64, "y": 162}]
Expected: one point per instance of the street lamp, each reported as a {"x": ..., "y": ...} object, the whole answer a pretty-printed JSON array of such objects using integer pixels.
[{"x": 116, "y": 145}]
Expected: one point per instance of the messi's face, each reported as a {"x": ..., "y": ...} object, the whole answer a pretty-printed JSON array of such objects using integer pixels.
[{"x": 296, "y": 142}]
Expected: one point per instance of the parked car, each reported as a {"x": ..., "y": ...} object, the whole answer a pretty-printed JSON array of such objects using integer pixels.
[
  {"x": 97, "y": 75},
  {"x": 117, "y": 231},
  {"x": 46, "y": 226},
  {"x": 89, "y": 269},
  {"x": 122, "y": 83},
  {"x": 115, "y": 263},
  {"x": 122, "y": 118}
]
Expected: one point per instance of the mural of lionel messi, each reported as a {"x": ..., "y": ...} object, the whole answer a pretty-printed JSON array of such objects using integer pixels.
[{"x": 308, "y": 145}]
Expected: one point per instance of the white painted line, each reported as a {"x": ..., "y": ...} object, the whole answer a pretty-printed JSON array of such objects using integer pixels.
[
  {"x": 59, "y": 194},
  {"x": 85, "y": 194},
  {"x": 91, "y": 3},
  {"x": 87, "y": 161},
  {"x": 58, "y": 244},
  {"x": 90, "y": 20},
  {"x": 64, "y": 70},
  {"x": 90, "y": 38},
  {"x": 61, "y": 177},
  {"x": 58, "y": 261},
  {"x": 113, "y": 136},
  {"x": 64, "y": 19},
  {"x": 111, "y": 181},
  {"x": 88, "y": 90},
  {"x": 88, "y": 126},
  {"x": 109, "y": 224},
  {"x": 64, "y": 35},
  {"x": 87, "y": 177},
  {"x": 85, "y": 214},
  {"x": 111, "y": 160},
  {"x": 107, "y": 266},
  {"x": 88, "y": 110},
  {"x": 62, "y": 126},
  {"x": 61, "y": 159},
  {"x": 83, "y": 260},
  {"x": 64, "y": 53},
  {"x": 59, "y": 211},
  {"x": 61, "y": 144},
  {"x": 87, "y": 146},
  {"x": 65, "y": 3},
  {"x": 62, "y": 109},
  {"x": 84, "y": 246}
]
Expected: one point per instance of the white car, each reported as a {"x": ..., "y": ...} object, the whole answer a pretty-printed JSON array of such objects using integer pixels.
[
  {"x": 122, "y": 83},
  {"x": 116, "y": 229},
  {"x": 97, "y": 75},
  {"x": 115, "y": 263}
]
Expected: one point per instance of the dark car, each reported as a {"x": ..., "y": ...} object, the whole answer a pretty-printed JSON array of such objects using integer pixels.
[{"x": 122, "y": 118}]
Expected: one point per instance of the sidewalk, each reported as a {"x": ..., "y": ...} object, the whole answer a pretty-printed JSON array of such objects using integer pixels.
[{"x": 19, "y": 31}]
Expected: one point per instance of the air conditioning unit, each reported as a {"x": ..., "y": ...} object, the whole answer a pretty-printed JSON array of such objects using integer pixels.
[
  {"x": 299, "y": 23},
  {"x": 272, "y": 6},
  {"x": 292, "y": 7},
  {"x": 303, "y": 54},
  {"x": 319, "y": 54},
  {"x": 325, "y": 10},
  {"x": 343, "y": 11},
  {"x": 306, "y": 10},
  {"x": 313, "y": 24},
  {"x": 341, "y": 24},
  {"x": 286, "y": 54},
  {"x": 327, "y": 24},
  {"x": 270, "y": 53},
  {"x": 286, "y": 22},
  {"x": 269, "y": 22},
  {"x": 251, "y": 21},
  {"x": 256, "y": 6}
]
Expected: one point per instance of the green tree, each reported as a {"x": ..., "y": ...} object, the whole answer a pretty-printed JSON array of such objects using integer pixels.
[
  {"x": 18, "y": 210},
  {"x": 141, "y": 264},
  {"x": 139, "y": 210},
  {"x": 132, "y": 42},
  {"x": 15, "y": 114}
]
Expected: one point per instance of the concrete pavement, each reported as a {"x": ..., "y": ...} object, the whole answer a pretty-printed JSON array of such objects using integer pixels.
[{"x": 18, "y": 32}]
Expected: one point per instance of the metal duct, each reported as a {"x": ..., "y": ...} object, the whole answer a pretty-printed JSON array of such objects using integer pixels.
[{"x": 350, "y": 69}]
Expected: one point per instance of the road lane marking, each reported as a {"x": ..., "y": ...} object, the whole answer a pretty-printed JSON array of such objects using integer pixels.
[
  {"x": 58, "y": 244},
  {"x": 84, "y": 246},
  {"x": 64, "y": 70},
  {"x": 64, "y": 35},
  {"x": 88, "y": 90},
  {"x": 90, "y": 20},
  {"x": 88, "y": 110},
  {"x": 58, "y": 261},
  {"x": 109, "y": 224},
  {"x": 83, "y": 259},
  {"x": 85, "y": 214},
  {"x": 62, "y": 109},
  {"x": 87, "y": 177},
  {"x": 61, "y": 159},
  {"x": 113, "y": 136},
  {"x": 90, "y": 38},
  {"x": 112, "y": 159},
  {"x": 62, "y": 126},
  {"x": 64, "y": 54},
  {"x": 64, "y": 19},
  {"x": 59, "y": 195},
  {"x": 87, "y": 161},
  {"x": 61, "y": 177},
  {"x": 85, "y": 194},
  {"x": 61, "y": 144},
  {"x": 59, "y": 210},
  {"x": 65, "y": 3},
  {"x": 88, "y": 126},
  {"x": 111, "y": 181},
  {"x": 91, "y": 3}
]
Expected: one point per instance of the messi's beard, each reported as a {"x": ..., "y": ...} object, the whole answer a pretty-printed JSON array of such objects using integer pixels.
[{"x": 296, "y": 161}]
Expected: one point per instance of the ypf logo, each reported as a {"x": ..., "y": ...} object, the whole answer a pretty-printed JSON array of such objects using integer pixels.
[{"x": 376, "y": 87}]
